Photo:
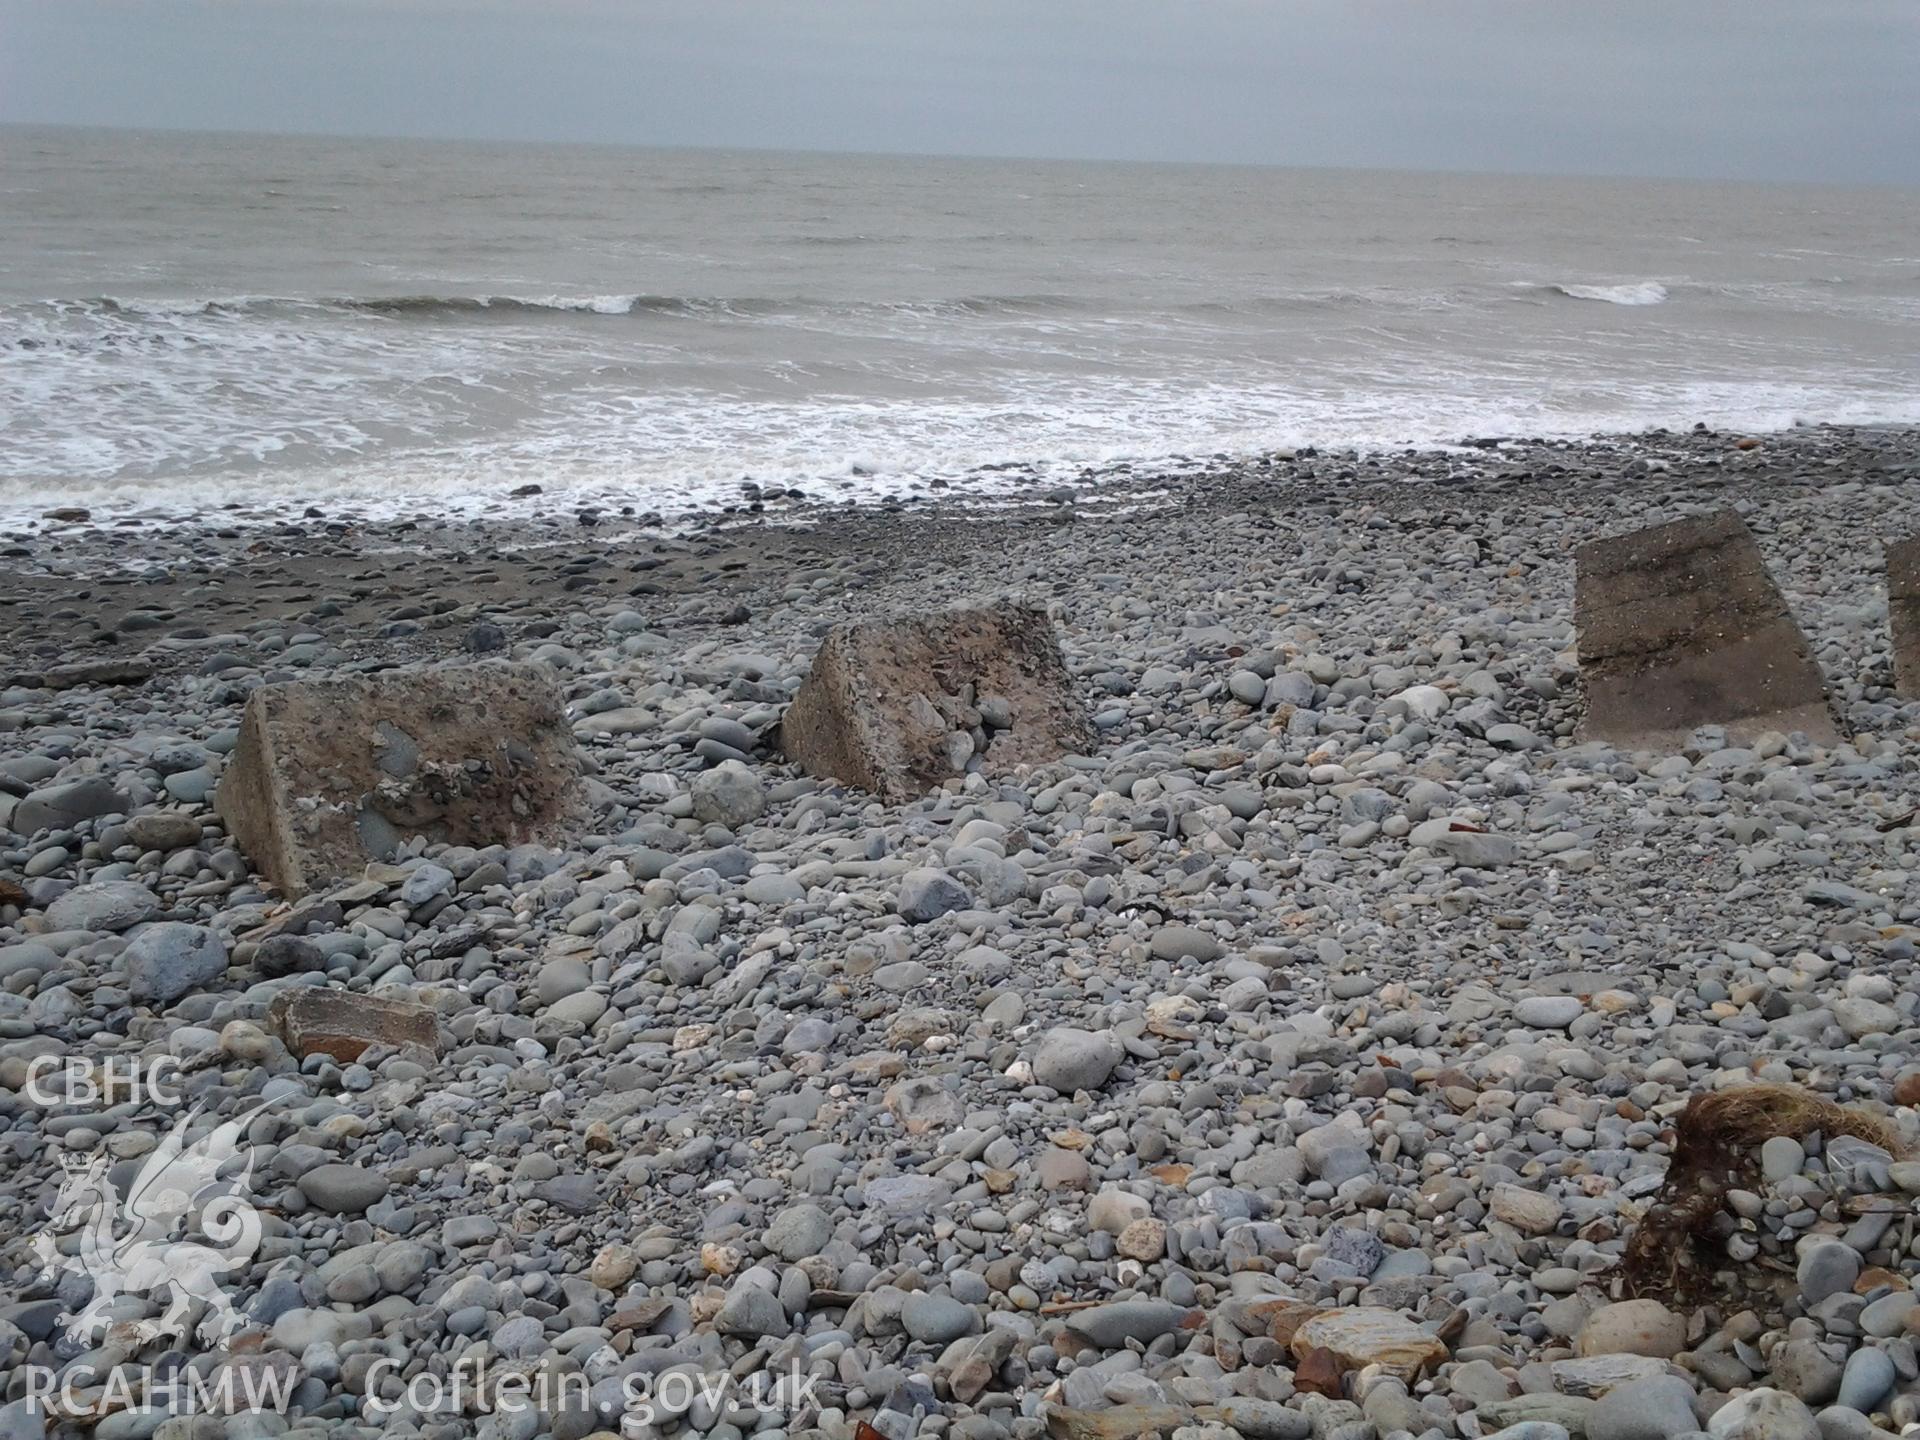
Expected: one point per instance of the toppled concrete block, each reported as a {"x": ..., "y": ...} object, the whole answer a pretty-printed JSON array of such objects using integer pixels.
[
  {"x": 1680, "y": 626},
  {"x": 344, "y": 1023},
  {"x": 1903, "y": 613},
  {"x": 899, "y": 707},
  {"x": 330, "y": 774}
]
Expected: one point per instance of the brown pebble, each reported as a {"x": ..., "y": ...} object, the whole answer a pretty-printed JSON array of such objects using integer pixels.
[
  {"x": 1318, "y": 1373},
  {"x": 1873, "y": 1277},
  {"x": 1284, "y": 1317}
]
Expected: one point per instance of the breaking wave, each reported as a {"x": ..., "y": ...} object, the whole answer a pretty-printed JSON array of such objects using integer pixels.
[
  {"x": 437, "y": 307},
  {"x": 1640, "y": 292}
]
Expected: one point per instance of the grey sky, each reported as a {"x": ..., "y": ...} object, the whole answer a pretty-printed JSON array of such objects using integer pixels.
[{"x": 1791, "y": 89}]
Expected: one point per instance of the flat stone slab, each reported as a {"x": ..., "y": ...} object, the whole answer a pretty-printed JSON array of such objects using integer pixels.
[
  {"x": 1365, "y": 1336},
  {"x": 900, "y": 707},
  {"x": 331, "y": 774},
  {"x": 1903, "y": 613},
  {"x": 1680, "y": 626},
  {"x": 1593, "y": 1376},
  {"x": 86, "y": 672},
  {"x": 345, "y": 1024}
]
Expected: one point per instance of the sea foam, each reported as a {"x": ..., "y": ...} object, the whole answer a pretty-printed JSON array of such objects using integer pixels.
[{"x": 1639, "y": 292}]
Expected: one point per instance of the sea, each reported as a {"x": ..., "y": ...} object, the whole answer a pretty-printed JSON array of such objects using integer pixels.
[{"x": 270, "y": 323}]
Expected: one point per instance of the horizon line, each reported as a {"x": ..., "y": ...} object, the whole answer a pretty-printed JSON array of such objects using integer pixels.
[{"x": 1006, "y": 157}]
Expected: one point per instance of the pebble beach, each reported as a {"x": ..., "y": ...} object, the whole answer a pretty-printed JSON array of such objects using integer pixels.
[{"x": 1296, "y": 1063}]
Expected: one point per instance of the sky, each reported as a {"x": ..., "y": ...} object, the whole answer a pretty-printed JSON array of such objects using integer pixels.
[{"x": 1739, "y": 89}]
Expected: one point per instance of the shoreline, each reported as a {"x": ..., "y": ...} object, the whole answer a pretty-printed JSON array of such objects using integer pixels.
[
  {"x": 1007, "y": 484},
  {"x": 270, "y": 567}
]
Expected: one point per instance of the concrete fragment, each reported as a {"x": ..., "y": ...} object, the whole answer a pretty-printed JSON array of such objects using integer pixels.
[
  {"x": 344, "y": 1023},
  {"x": 898, "y": 707},
  {"x": 1903, "y": 613},
  {"x": 331, "y": 774},
  {"x": 1680, "y": 625}
]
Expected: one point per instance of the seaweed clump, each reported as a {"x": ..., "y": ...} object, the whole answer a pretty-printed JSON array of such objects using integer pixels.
[{"x": 1676, "y": 1251}]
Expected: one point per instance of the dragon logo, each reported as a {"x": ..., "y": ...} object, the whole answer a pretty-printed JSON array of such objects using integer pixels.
[{"x": 144, "y": 1243}]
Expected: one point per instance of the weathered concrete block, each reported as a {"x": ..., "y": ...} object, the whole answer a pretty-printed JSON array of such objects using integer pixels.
[
  {"x": 1903, "y": 613},
  {"x": 1680, "y": 626},
  {"x": 344, "y": 1023},
  {"x": 899, "y": 707},
  {"x": 330, "y": 774}
]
